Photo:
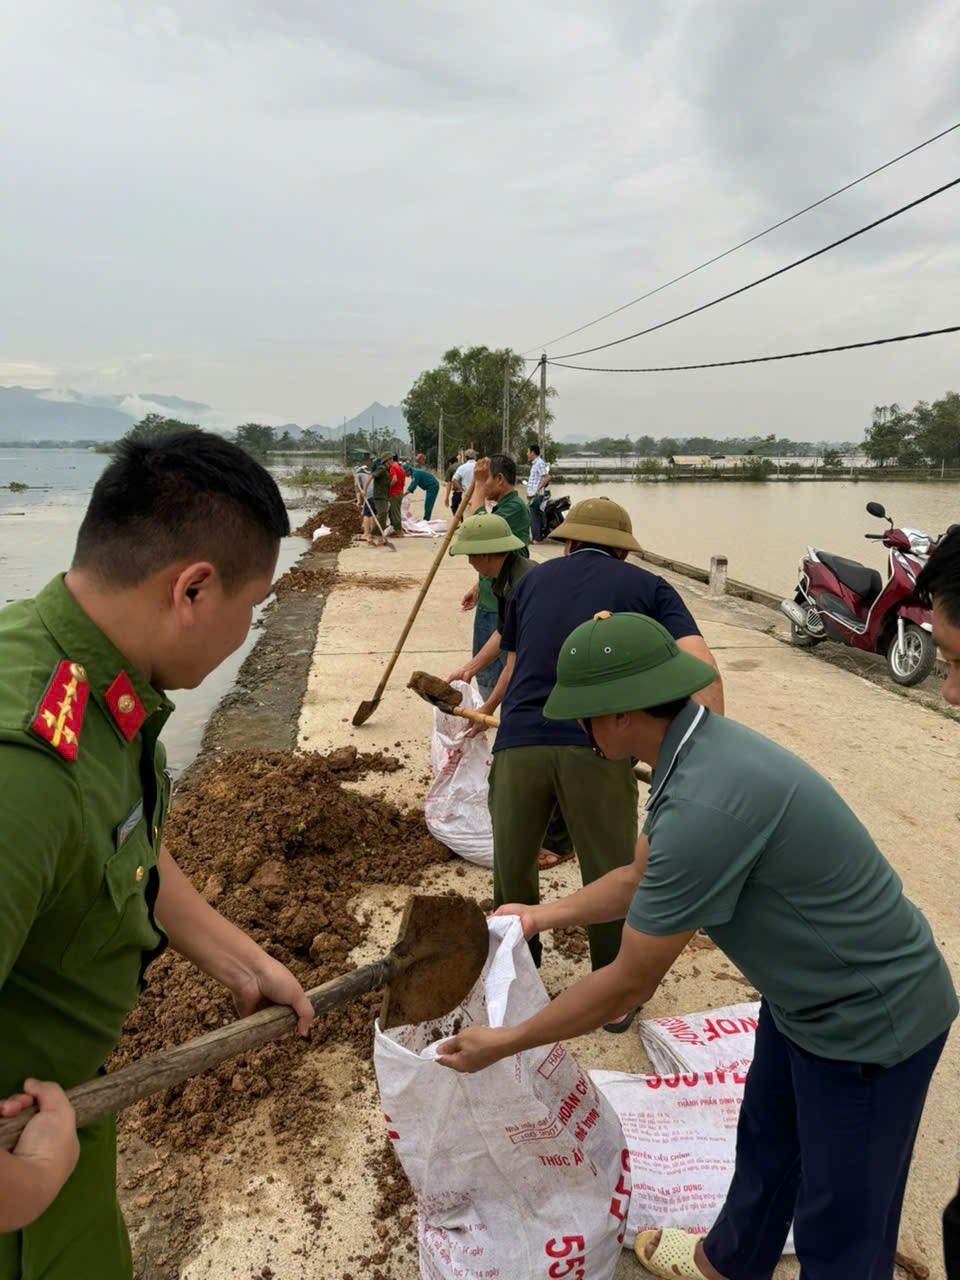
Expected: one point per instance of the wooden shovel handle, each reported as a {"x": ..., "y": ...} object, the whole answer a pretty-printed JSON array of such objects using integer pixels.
[
  {"x": 157, "y": 1071},
  {"x": 438, "y": 560},
  {"x": 466, "y": 714}
]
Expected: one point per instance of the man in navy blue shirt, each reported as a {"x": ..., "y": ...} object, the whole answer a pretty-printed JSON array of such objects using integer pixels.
[{"x": 538, "y": 763}]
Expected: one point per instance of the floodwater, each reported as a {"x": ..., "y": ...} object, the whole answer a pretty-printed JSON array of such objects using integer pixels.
[
  {"x": 38, "y": 529},
  {"x": 764, "y": 529}
]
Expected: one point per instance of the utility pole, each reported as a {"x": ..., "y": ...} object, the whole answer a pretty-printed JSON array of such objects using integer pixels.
[
  {"x": 440, "y": 458},
  {"x": 543, "y": 402},
  {"x": 506, "y": 405}
]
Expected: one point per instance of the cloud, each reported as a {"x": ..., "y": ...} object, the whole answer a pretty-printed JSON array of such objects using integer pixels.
[{"x": 287, "y": 210}]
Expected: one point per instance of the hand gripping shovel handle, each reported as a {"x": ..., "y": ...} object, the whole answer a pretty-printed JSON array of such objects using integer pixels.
[
  {"x": 119, "y": 1089},
  {"x": 477, "y": 717}
]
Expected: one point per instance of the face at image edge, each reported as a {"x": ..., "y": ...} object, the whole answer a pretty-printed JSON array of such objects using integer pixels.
[{"x": 946, "y": 636}]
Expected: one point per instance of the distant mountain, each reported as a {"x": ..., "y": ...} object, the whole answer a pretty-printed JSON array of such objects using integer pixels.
[
  {"x": 175, "y": 403},
  {"x": 58, "y": 415},
  {"x": 377, "y": 415},
  {"x": 52, "y": 413}
]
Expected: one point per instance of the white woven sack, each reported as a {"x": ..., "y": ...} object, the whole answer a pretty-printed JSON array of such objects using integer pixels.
[
  {"x": 455, "y": 809},
  {"x": 520, "y": 1171}
]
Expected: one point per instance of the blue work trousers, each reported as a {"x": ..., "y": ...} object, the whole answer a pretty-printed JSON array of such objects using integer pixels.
[
  {"x": 826, "y": 1144},
  {"x": 484, "y": 625},
  {"x": 535, "y": 512}
]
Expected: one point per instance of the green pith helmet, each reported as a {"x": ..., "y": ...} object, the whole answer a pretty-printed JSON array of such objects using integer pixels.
[
  {"x": 599, "y": 520},
  {"x": 485, "y": 536},
  {"x": 621, "y": 662}
]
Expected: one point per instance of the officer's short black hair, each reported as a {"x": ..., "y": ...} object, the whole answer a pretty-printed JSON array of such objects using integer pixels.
[
  {"x": 534, "y": 448},
  {"x": 501, "y": 464},
  {"x": 940, "y": 577},
  {"x": 190, "y": 496}
]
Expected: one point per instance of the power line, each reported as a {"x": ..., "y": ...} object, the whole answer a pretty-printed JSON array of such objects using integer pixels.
[
  {"x": 743, "y": 243},
  {"x": 790, "y": 355},
  {"x": 568, "y": 355}
]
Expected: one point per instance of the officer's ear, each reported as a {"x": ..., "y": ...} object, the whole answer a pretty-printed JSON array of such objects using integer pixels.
[{"x": 188, "y": 589}]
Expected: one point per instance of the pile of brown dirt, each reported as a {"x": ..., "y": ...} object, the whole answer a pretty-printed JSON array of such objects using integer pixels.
[
  {"x": 342, "y": 516},
  {"x": 374, "y": 582},
  {"x": 301, "y": 578},
  {"x": 280, "y": 847}
]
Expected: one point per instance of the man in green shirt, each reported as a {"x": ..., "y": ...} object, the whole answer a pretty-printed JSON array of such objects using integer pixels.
[
  {"x": 495, "y": 481},
  {"x": 747, "y": 842},
  {"x": 178, "y": 546},
  {"x": 378, "y": 496}
]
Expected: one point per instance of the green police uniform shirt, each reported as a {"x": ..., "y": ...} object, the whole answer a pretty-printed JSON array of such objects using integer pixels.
[
  {"x": 750, "y": 844},
  {"x": 83, "y": 796},
  {"x": 513, "y": 510}
]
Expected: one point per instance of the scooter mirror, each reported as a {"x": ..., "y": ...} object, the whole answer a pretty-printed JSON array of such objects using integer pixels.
[{"x": 876, "y": 509}]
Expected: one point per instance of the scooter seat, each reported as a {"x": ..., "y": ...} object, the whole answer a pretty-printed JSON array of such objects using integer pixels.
[{"x": 864, "y": 582}]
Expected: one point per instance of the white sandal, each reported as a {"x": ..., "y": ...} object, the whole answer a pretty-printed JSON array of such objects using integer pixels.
[{"x": 674, "y": 1257}]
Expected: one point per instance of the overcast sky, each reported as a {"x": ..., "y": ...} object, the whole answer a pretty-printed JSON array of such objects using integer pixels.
[{"x": 289, "y": 208}]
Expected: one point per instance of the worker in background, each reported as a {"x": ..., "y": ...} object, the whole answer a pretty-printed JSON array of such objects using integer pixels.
[
  {"x": 537, "y": 482},
  {"x": 428, "y": 482},
  {"x": 453, "y": 494},
  {"x": 395, "y": 496}
]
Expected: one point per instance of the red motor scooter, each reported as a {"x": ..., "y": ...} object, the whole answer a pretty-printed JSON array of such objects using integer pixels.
[{"x": 843, "y": 600}]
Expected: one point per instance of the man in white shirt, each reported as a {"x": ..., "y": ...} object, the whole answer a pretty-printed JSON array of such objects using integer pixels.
[
  {"x": 463, "y": 476},
  {"x": 537, "y": 482}
]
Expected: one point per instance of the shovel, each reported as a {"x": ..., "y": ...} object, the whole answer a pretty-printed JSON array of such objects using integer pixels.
[
  {"x": 445, "y": 698},
  {"x": 439, "y": 954},
  {"x": 366, "y": 709}
]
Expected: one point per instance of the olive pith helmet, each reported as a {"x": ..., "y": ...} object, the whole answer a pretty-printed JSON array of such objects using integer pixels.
[
  {"x": 486, "y": 535},
  {"x": 599, "y": 520},
  {"x": 622, "y": 662}
]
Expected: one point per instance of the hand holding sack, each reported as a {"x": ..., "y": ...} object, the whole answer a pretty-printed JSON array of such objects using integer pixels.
[{"x": 520, "y": 1170}]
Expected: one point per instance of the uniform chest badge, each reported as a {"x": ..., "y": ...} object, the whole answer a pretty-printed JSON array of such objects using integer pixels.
[
  {"x": 60, "y": 713},
  {"x": 125, "y": 707}
]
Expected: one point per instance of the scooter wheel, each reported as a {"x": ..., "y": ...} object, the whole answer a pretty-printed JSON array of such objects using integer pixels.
[
  {"x": 915, "y": 662},
  {"x": 801, "y": 638}
]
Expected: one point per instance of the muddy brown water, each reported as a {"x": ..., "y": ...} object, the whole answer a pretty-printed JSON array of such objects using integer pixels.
[{"x": 764, "y": 529}]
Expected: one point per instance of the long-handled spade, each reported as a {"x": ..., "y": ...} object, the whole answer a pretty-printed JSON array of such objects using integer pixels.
[
  {"x": 366, "y": 709},
  {"x": 445, "y": 698},
  {"x": 439, "y": 954}
]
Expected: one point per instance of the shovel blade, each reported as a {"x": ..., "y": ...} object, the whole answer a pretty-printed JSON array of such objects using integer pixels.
[
  {"x": 444, "y": 943},
  {"x": 364, "y": 712}
]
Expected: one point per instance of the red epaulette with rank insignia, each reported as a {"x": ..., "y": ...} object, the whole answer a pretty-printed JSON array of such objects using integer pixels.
[{"x": 60, "y": 713}]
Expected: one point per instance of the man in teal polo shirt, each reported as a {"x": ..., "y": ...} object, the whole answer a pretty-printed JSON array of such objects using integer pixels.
[{"x": 747, "y": 842}]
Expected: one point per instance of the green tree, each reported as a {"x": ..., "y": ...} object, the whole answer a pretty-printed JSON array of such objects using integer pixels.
[
  {"x": 156, "y": 427},
  {"x": 468, "y": 387},
  {"x": 257, "y": 439},
  {"x": 888, "y": 434},
  {"x": 938, "y": 429},
  {"x": 831, "y": 460}
]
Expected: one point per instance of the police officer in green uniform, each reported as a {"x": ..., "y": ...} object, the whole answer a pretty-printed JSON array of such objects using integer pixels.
[{"x": 177, "y": 547}]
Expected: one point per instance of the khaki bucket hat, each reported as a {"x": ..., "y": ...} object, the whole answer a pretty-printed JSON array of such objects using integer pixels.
[
  {"x": 622, "y": 662},
  {"x": 486, "y": 535},
  {"x": 599, "y": 520}
]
